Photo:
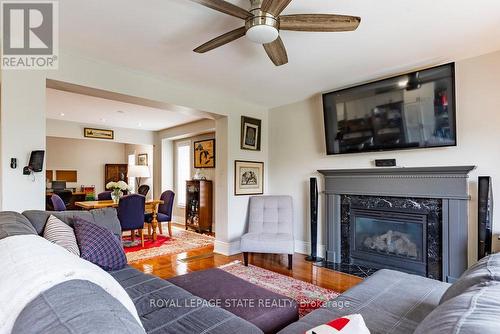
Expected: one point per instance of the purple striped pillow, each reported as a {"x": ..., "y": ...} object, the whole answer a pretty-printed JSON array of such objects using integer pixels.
[{"x": 99, "y": 246}]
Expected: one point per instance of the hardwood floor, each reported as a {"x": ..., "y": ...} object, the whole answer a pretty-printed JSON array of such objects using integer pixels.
[{"x": 203, "y": 258}]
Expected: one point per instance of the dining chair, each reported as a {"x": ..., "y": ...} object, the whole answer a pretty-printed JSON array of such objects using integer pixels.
[
  {"x": 164, "y": 212},
  {"x": 131, "y": 215},
  {"x": 57, "y": 203},
  {"x": 143, "y": 190},
  {"x": 104, "y": 196}
]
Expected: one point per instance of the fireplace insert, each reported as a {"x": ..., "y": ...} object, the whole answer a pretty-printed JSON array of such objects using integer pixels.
[{"x": 385, "y": 238}]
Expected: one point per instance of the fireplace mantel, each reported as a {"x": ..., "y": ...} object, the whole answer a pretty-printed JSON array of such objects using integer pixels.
[
  {"x": 425, "y": 182},
  {"x": 448, "y": 184}
]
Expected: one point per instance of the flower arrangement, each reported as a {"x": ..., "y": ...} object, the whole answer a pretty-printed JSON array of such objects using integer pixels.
[{"x": 117, "y": 189}]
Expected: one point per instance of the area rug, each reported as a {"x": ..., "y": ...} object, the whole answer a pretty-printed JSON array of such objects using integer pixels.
[
  {"x": 133, "y": 246},
  {"x": 308, "y": 296},
  {"x": 181, "y": 241}
]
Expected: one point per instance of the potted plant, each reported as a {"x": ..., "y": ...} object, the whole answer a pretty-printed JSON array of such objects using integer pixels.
[{"x": 117, "y": 189}]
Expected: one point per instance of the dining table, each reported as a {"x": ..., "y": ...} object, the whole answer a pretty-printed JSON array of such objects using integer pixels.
[{"x": 151, "y": 206}]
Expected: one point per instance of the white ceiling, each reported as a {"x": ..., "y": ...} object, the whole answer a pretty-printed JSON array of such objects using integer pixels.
[
  {"x": 158, "y": 36},
  {"x": 94, "y": 110}
]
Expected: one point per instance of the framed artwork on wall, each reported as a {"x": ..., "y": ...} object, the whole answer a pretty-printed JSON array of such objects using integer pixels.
[
  {"x": 250, "y": 133},
  {"x": 142, "y": 159},
  {"x": 204, "y": 153},
  {"x": 98, "y": 133},
  {"x": 248, "y": 178}
]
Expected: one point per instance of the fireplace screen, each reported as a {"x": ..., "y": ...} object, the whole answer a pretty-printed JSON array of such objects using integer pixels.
[{"x": 386, "y": 237}]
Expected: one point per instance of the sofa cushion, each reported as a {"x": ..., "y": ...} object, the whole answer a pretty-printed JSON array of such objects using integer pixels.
[
  {"x": 485, "y": 270},
  {"x": 61, "y": 234},
  {"x": 106, "y": 217},
  {"x": 165, "y": 308},
  {"x": 389, "y": 301},
  {"x": 268, "y": 243},
  {"x": 99, "y": 246},
  {"x": 13, "y": 223},
  {"x": 76, "y": 307},
  {"x": 477, "y": 310}
]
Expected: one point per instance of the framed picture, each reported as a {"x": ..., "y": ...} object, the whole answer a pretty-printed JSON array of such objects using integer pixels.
[
  {"x": 98, "y": 133},
  {"x": 142, "y": 159},
  {"x": 250, "y": 133},
  {"x": 248, "y": 178},
  {"x": 204, "y": 154}
]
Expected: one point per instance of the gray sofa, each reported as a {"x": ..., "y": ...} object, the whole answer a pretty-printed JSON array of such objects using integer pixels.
[
  {"x": 82, "y": 307},
  {"x": 398, "y": 303}
]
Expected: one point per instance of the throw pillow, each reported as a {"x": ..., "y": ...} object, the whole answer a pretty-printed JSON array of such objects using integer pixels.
[
  {"x": 59, "y": 233},
  {"x": 99, "y": 246},
  {"x": 485, "y": 270},
  {"x": 350, "y": 324}
]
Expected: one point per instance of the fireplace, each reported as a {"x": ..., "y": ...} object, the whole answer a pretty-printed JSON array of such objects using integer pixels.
[
  {"x": 409, "y": 219},
  {"x": 389, "y": 239}
]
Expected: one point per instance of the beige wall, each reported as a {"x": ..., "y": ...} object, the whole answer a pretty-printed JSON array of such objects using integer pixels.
[
  {"x": 297, "y": 146},
  {"x": 209, "y": 173},
  {"x": 87, "y": 157}
]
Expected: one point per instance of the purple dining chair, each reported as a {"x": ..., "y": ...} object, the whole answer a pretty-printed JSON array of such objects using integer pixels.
[
  {"x": 131, "y": 214},
  {"x": 104, "y": 196},
  {"x": 164, "y": 212},
  {"x": 57, "y": 203}
]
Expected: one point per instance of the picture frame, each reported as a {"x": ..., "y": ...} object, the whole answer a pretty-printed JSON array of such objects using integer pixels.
[
  {"x": 98, "y": 133},
  {"x": 204, "y": 153},
  {"x": 250, "y": 133},
  {"x": 142, "y": 159},
  {"x": 248, "y": 178}
]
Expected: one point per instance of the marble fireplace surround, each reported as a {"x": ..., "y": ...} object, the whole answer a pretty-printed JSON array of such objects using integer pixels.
[{"x": 447, "y": 184}]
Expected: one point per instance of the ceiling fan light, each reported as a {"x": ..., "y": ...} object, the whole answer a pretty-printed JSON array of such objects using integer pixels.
[{"x": 262, "y": 34}]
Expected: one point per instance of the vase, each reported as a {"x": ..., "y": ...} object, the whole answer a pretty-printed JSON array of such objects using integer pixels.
[{"x": 116, "y": 195}]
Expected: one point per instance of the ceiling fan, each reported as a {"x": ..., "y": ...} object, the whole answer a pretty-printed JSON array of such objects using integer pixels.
[{"x": 263, "y": 22}]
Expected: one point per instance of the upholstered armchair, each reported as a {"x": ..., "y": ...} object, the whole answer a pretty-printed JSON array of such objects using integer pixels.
[
  {"x": 270, "y": 227},
  {"x": 131, "y": 214}
]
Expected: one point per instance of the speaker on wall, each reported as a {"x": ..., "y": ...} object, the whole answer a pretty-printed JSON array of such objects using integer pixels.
[
  {"x": 313, "y": 199},
  {"x": 484, "y": 216}
]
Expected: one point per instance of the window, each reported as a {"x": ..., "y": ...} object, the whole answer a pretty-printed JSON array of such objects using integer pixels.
[
  {"x": 183, "y": 170},
  {"x": 131, "y": 180}
]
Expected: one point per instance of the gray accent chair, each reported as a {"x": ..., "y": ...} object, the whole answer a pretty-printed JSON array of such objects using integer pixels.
[{"x": 270, "y": 227}]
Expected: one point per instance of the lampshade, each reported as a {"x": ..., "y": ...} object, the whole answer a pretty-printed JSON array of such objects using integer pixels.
[{"x": 138, "y": 171}]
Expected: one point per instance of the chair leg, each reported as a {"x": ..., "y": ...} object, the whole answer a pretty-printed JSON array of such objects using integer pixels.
[
  {"x": 149, "y": 231},
  {"x": 141, "y": 233},
  {"x": 170, "y": 228},
  {"x": 160, "y": 227},
  {"x": 132, "y": 235},
  {"x": 245, "y": 258},
  {"x": 290, "y": 261}
]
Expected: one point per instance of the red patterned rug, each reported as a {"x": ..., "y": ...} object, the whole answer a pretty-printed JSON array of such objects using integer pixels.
[
  {"x": 181, "y": 241},
  {"x": 308, "y": 296},
  {"x": 148, "y": 243}
]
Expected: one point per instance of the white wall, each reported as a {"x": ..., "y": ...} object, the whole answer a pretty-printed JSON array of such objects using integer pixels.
[
  {"x": 22, "y": 130},
  {"x": 65, "y": 129},
  {"x": 297, "y": 146},
  {"x": 87, "y": 157}
]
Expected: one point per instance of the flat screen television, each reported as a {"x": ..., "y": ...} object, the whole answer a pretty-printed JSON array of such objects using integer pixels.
[{"x": 413, "y": 110}]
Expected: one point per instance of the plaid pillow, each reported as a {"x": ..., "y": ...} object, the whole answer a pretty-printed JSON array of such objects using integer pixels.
[{"x": 99, "y": 246}]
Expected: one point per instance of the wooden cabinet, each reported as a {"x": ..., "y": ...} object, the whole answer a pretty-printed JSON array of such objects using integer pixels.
[
  {"x": 199, "y": 201},
  {"x": 115, "y": 173}
]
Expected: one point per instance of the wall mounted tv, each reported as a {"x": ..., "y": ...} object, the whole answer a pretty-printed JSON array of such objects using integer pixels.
[{"x": 413, "y": 110}]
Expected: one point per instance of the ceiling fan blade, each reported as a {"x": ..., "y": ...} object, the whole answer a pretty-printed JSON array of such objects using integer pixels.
[
  {"x": 221, "y": 40},
  {"x": 274, "y": 7},
  {"x": 225, "y": 7},
  {"x": 319, "y": 22},
  {"x": 277, "y": 52}
]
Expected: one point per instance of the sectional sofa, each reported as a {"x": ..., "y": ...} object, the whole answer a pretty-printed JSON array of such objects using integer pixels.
[{"x": 389, "y": 301}]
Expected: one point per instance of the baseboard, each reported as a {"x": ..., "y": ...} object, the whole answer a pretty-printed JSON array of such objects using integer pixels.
[
  {"x": 227, "y": 248},
  {"x": 304, "y": 247}
]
